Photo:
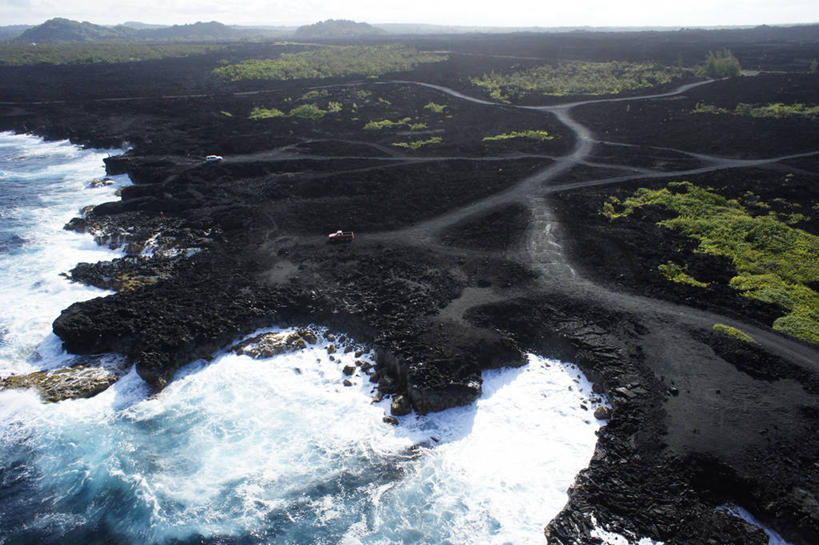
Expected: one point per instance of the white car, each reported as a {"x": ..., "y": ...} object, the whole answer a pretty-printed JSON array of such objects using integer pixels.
[{"x": 212, "y": 158}]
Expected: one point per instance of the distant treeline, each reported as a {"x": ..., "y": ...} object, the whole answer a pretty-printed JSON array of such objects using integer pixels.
[{"x": 96, "y": 52}]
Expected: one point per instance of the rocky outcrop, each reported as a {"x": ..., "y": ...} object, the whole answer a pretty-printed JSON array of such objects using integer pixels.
[
  {"x": 78, "y": 381},
  {"x": 268, "y": 345}
]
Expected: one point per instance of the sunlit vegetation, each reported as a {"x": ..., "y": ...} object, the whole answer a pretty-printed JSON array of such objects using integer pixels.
[
  {"x": 92, "y": 53},
  {"x": 776, "y": 110},
  {"x": 528, "y": 134},
  {"x": 330, "y": 62},
  {"x": 265, "y": 113},
  {"x": 304, "y": 111},
  {"x": 334, "y": 107},
  {"x": 418, "y": 126},
  {"x": 307, "y": 111},
  {"x": 578, "y": 78},
  {"x": 437, "y": 108},
  {"x": 419, "y": 143},
  {"x": 774, "y": 262},
  {"x": 675, "y": 273},
  {"x": 733, "y": 333},
  {"x": 226, "y": 114},
  {"x": 722, "y": 64},
  {"x": 386, "y": 124}
]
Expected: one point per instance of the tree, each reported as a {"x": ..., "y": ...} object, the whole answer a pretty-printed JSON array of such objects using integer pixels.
[{"x": 722, "y": 64}]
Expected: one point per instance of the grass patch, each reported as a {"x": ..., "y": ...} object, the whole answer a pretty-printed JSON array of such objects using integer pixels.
[
  {"x": 437, "y": 108},
  {"x": 418, "y": 126},
  {"x": 776, "y": 110},
  {"x": 96, "y": 52},
  {"x": 733, "y": 333},
  {"x": 330, "y": 62},
  {"x": 774, "y": 261},
  {"x": 578, "y": 78},
  {"x": 530, "y": 134},
  {"x": 419, "y": 143}
]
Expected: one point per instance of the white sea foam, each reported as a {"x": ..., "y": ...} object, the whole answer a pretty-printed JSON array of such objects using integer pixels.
[
  {"x": 51, "y": 180},
  {"x": 280, "y": 450}
]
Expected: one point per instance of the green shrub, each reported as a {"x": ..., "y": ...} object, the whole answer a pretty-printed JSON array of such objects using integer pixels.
[
  {"x": 307, "y": 111},
  {"x": 734, "y": 333},
  {"x": 419, "y": 143},
  {"x": 386, "y": 124},
  {"x": 675, "y": 273},
  {"x": 776, "y": 110},
  {"x": 529, "y": 134},
  {"x": 721, "y": 64},
  {"x": 433, "y": 107},
  {"x": 265, "y": 113}
]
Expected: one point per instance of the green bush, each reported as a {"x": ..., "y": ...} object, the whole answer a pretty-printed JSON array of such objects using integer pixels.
[
  {"x": 265, "y": 113},
  {"x": 529, "y": 134},
  {"x": 419, "y": 143},
  {"x": 733, "y": 333},
  {"x": 307, "y": 111},
  {"x": 722, "y": 64},
  {"x": 433, "y": 107}
]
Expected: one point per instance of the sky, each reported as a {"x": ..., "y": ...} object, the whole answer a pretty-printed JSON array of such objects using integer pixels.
[{"x": 521, "y": 13}]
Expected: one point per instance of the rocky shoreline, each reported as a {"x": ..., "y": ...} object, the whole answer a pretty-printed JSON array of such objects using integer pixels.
[{"x": 215, "y": 252}]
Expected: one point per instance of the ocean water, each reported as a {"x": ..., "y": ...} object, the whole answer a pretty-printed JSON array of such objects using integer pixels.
[{"x": 42, "y": 186}]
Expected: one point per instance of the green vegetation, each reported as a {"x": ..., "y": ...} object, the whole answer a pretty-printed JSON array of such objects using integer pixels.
[
  {"x": 226, "y": 114},
  {"x": 418, "y": 126},
  {"x": 529, "y": 134},
  {"x": 675, "y": 273},
  {"x": 304, "y": 111},
  {"x": 386, "y": 124},
  {"x": 776, "y": 110},
  {"x": 265, "y": 113},
  {"x": 307, "y": 111},
  {"x": 721, "y": 64},
  {"x": 330, "y": 62},
  {"x": 774, "y": 262},
  {"x": 419, "y": 143},
  {"x": 578, "y": 78},
  {"x": 734, "y": 333},
  {"x": 814, "y": 66},
  {"x": 92, "y": 53},
  {"x": 437, "y": 108}
]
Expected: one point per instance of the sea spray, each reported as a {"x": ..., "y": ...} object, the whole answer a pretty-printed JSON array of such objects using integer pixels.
[
  {"x": 280, "y": 451},
  {"x": 44, "y": 184}
]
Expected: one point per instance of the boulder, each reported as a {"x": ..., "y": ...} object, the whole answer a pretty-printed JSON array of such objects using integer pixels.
[
  {"x": 348, "y": 370},
  {"x": 79, "y": 381},
  {"x": 400, "y": 406},
  {"x": 602, "y": 413}
]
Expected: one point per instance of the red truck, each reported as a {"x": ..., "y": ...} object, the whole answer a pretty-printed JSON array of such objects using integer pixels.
[{"x": 340, "y": 236}]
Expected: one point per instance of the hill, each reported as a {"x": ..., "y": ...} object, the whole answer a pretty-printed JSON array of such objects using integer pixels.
[
  {"x": 66, "y": 30},
  {"x": 337, "y": 28}
]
